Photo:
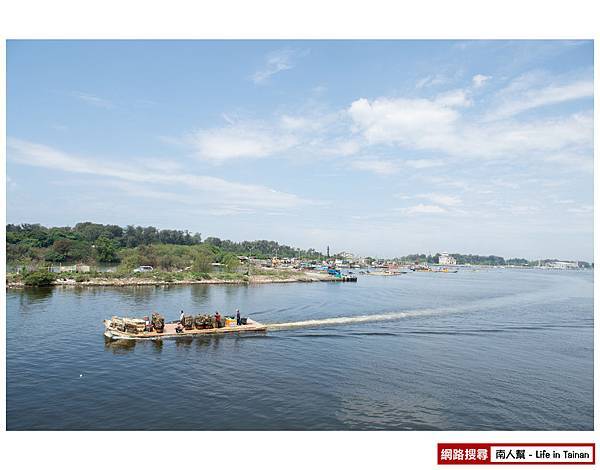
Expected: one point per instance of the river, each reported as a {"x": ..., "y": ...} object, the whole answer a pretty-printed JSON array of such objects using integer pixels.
[{"x": 476, "y": 350}]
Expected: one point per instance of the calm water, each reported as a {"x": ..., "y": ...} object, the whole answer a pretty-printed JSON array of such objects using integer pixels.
[{"x": 491, "y": 349}]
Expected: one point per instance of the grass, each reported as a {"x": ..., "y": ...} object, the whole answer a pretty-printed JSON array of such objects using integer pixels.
[
  {"x": 160, "y": 276},
  {"x": 276, "y": 273}
]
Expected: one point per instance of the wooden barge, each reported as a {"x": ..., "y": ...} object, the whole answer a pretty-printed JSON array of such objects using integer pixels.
[{"x": 169, "y": 331}]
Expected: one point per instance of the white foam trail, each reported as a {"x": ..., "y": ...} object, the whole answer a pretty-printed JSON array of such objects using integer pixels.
[{"x": 358, "y": 319}]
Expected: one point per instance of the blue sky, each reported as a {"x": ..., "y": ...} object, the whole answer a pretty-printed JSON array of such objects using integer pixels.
[{"x": 375, "y": 147}]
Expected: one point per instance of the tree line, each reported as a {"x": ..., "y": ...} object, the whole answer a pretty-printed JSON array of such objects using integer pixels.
[
  {"x": 491, "y": 260},
  {"x": 91, "y": 242}
]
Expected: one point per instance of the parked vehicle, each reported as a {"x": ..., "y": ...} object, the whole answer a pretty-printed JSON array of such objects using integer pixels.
[{"x": 143, "y": 269}]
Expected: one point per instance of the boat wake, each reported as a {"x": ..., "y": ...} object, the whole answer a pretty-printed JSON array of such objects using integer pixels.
[{"x": 357, "y": 319}]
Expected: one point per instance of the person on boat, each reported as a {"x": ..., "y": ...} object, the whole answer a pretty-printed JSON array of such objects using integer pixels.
[
  {"x": 179, "y": 328},
  {"x": 218, "y": 319},
  {"x": 237, "y": 317},
  {"x": 181, "y": 317},
  {"x": 147, "y": 322}
]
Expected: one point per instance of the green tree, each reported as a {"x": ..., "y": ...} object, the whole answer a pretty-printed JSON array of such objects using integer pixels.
[
  {"x": 231, "y": 262},
  {"x": 106, "y": 250},
  {"x": 202, "y": 262},
  {"x": 62, "y": 246},
  {"x": 39, "y": 278},
  {"x": 54, "y": 256}
]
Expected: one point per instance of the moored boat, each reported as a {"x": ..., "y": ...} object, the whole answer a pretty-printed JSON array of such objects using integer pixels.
[{"x": 446, "y": 270}]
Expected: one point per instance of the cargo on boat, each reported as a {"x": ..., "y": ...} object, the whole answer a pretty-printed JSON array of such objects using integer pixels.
[{"x": 118, "y": 328}]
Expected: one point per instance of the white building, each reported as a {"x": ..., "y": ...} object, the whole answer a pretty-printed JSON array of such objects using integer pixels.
[
  {"x": 445, "y": 258},
  {"x": 563, "y": 265}
]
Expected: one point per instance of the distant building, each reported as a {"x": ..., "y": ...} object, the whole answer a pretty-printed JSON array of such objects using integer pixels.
[
  {"x": 563, "y": 265},
  {"x": 346, "y": 255},
  {"x": 445, "y": 258},
  {"x": 264, "y": 263},
  {"x": 76, "y": 268}
]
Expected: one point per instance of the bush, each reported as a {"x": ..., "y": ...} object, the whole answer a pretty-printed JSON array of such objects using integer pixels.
[
  {"x": 81, "y": 277},
  {"x": 166, "y": 277},
  {"x": 202, "y": 262},
  {"x": 39, "y": 278},
  {"x": 199, "y": 276}
]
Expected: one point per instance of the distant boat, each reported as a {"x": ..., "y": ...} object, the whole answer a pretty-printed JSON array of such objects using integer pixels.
[
  {"x": 445, "y": 270},
  {"x": 420, "y": 268},
  {"x": 386, "y": 273}
]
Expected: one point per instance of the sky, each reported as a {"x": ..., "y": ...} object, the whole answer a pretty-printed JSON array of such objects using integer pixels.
[{"x": 379, "y": 148}]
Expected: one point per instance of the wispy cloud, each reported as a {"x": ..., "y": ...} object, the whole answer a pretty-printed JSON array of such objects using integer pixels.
[
  {"x": 530, "y": 91},
  {"x": 316, "y": 134},
  {"x": 93, "y": 100},
  {"x": 431, "y": 80},
  {"x": 10, "y": 182},
  {"x": 428, "y": 124},
  {"x": 422, "y": 163},
  {"x": 379, "y": 167},
  {"x": 420, "y": 209},
  {"x": 442, "y": 199},
  {"x": 443, "y": 123},
  {"x": 277, "y": 61},
  {"x": 206, "y": 190},
  {"x": 239, "y": 141},
  {"x": 479, "y": 80}
]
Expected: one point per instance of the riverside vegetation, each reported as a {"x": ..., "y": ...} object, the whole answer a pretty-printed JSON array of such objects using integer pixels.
[{"x": 177, "y": 256}]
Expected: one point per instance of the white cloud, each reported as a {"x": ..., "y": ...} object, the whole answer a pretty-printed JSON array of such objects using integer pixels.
[
  {"x": 379, "y": 167},
  {"x": 529, "y": 92},
  {"x": 401, "y": 121},
  {"x": 240, "y": 141},
  {"x": 437, "y": 125},
  {"x": 583, "y": 209},
  {"x": 297, "y": 123},
  {"x": 314, "y": 133},
  {"x": 93, "y": 100},
  {"x": 206, "y": 190},
  {"x": 479, "y": 80},
  {"x": 277, "y": 61},
  {"x": 454, "y": 98}
]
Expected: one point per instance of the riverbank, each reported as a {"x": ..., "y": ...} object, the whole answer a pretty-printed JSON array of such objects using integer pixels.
[{"x": 180, "y": 278}]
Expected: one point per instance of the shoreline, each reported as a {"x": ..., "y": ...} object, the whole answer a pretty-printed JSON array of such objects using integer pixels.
[{"x": 134, "y": 281}]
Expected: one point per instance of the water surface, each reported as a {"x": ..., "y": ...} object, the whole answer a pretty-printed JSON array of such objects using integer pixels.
[{"x": 476, "y": 350}]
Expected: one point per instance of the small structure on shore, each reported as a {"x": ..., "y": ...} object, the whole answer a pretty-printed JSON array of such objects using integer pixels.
[{"x": 446, "y": 259}]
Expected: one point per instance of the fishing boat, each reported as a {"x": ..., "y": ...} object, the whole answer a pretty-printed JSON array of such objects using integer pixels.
[
  {"x": 133, "y": 329},
  {"x": 420, "y": 268},
  {"x": 387, "y": 273},
  {"x": 446, "y": 270}
]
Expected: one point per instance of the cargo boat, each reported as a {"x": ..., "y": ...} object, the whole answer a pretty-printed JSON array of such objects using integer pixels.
[{"x": 169, "y": 331}]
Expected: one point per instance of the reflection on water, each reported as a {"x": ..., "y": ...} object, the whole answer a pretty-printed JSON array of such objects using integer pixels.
[
  {"x": 33, "y": 295},
  {"x": 120, "y": 346},
  {"x": 157, "y": 345},
  {"x": 200, "y": 294}
]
